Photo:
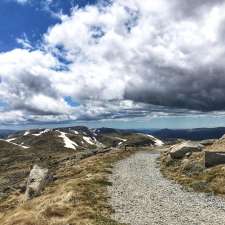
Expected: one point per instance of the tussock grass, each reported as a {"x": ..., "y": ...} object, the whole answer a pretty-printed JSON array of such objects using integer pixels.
[
  {"x": 77, "y": 197},
  {"x": 192, "y": 174}
]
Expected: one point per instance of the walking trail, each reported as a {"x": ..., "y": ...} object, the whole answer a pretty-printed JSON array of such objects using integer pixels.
[{"x": 140, "y": 195}]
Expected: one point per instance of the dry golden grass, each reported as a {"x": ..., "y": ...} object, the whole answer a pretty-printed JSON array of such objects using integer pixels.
[
  {"x": 193, "y": 175},
  {"x": 218, "y": 145},
  {"x": 77, "y": 197}
]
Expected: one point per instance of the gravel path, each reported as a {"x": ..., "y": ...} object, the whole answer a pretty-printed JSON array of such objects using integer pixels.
[{"x": 141, "y": 196}]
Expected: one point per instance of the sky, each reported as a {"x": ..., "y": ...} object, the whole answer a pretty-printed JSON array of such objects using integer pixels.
[{"x": 116, "y": 63}]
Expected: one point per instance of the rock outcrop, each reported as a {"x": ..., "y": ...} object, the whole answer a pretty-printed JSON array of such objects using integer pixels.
[
  {"x": 180, "y": 150},
  {"x": 36, "y": 182},
  {"x": 207, "y": 142},
  {"x": 214, "y": 158}
]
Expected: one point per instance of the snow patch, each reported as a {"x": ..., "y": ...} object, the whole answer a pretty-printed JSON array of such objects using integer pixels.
[
  {"x": 26, "y": 133},
  {"x": 67, "y": 142},
  {"x": 95, "y": 132},
  {"x": 121, "y": 139},
  {"x": 157, "y": 141},
  {"x": 75, "y": 132},
  {"x": 88, "y": 140},
  {"x": 13, "y": 139},
  {"x": 42, "y": 132}
]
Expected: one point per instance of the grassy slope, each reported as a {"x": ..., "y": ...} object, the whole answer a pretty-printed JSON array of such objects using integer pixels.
[
  {"x": 78, "y": 196},
  {"x": 193, "y": 175}
]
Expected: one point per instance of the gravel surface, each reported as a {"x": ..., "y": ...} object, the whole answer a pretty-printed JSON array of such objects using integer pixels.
[{"x": 141, "y": 196}]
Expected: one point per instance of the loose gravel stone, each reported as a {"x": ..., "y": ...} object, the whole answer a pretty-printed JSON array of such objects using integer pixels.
[{"x": 140, "y": 195}]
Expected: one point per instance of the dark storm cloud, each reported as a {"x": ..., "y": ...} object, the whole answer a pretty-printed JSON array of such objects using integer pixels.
[{"x": 202, "y": 89}]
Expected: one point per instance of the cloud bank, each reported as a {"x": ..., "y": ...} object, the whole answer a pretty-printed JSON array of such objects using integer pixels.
[{"x": 125, "y": 59}]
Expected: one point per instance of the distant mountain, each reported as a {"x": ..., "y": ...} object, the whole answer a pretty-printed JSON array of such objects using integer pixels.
[
  {"x": 78, "y": 138},
  {"x": 187, "y": 134},
  {"x": 5, "y": 133}
]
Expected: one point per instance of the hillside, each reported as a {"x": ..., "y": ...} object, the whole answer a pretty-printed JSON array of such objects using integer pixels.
[
  {"x": 50, "y": 147},
  {"x": 78, "y": 160},
  {"x": 196, "y": 165}
]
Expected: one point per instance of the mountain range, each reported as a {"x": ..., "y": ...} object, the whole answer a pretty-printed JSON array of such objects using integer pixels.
[
  {"x": 188, "y": 134},
  {"x": 20, "y": 150}
]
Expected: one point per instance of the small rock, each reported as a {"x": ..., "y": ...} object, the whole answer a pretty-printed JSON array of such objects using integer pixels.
[{"x": 188, "y": 154}]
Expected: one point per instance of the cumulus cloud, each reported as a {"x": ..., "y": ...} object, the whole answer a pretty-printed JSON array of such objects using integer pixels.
[
  {"x": 153, "y": 56},
  {"x": 25, "y": 82},
  {"x": 143, "y": 53}
]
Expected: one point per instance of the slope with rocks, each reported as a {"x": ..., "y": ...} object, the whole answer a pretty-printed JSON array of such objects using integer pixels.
[
  {"x": 77, "y": 195},
  {"x": 186, "y": 164},
  {"x": 49, "y": 147}
]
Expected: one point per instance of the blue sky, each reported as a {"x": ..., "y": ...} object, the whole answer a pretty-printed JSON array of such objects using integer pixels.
[
  {"x": 31, "y": 19},
  {"x": 126, "y": 64}
]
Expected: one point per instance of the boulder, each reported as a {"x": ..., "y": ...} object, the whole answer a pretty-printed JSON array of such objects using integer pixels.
[
  {"x": 37, "y": 180},
  {"x": 180, "y": 150},
  {"x": 207, "y": 142},
  {"x": 214, "y": 158}
]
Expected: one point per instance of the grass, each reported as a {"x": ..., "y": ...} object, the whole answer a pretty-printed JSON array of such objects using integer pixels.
[
  {"x": 77, "y": 197},
  {"x": 192, "y": 175}
]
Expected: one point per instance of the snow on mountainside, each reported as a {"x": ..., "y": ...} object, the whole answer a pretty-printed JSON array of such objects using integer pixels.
[
  {"x": 51, "y": 147},
  {"x": 40, "y": 133},
  {"x": 11, "y": 142},
  {"x": 67, "y": 142},
  {"x": 80, "y": 138},
  {"x": 88, "y": 140}
]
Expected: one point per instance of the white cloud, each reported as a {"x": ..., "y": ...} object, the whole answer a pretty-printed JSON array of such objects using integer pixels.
[
  {"x": 12, "y": 117},
  {"x": 26, "y": 82},
  {"x": 144, "y": 59},
  {"x": 22, "y": 1},
  {"x": 123, "y": 59},
  {"x": 24, "y": 42}
]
